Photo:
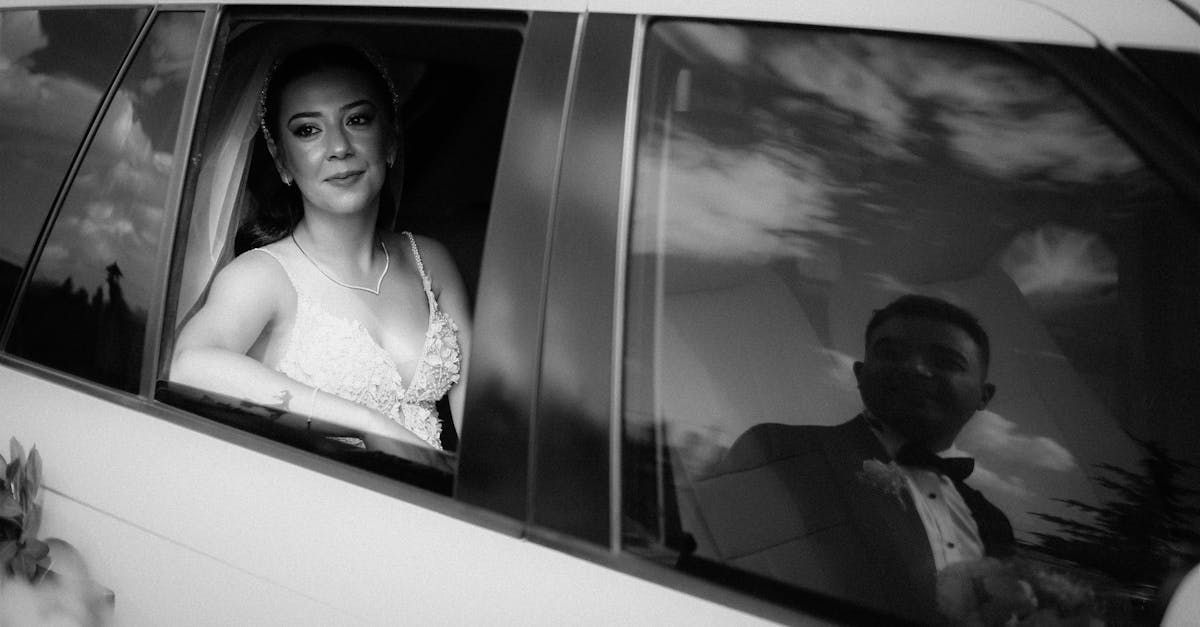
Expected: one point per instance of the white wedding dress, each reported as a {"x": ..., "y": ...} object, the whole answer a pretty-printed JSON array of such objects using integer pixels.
[{"x": 337, "y": 355}]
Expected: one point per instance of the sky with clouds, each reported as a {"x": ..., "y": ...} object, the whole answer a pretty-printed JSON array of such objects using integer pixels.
[{"x": 114, "y": 212}]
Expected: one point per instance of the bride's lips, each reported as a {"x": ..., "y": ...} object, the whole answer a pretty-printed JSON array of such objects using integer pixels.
[{"x": 346, "y": 178}]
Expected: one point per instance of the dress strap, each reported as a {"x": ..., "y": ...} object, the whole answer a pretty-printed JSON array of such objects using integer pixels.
[
  {"x": 421, "y": 269},
  {"x": 282, "y": 264}
]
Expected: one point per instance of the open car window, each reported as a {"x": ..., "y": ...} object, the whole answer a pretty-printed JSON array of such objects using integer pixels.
[{"x": 454, "y": 103}]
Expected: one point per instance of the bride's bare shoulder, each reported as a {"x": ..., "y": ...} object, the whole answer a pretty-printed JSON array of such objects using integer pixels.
[{"x": 255, "y": 270}]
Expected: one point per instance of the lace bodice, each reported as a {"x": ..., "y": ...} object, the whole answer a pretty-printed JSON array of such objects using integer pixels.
[{"x": 337, "y": 355}]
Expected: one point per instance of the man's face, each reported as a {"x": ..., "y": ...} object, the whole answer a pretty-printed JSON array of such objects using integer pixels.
[{"x": 923, "y": 378}]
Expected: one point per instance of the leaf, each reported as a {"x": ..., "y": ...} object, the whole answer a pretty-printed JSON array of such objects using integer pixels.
[
  {"x": 35, "y": 467},
  {"x": 33, "y": 477},
  {"x": 9, "y": 507},
  {"x": 33, "y": 520},
  {"x": 18, "y": 451}
]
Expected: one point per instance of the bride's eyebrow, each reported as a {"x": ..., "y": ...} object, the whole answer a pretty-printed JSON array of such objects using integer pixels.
[
  {"x": 303, "y": 114},
  {"x": 358, "y": 103},
  {"x": 343, "y": 108}
]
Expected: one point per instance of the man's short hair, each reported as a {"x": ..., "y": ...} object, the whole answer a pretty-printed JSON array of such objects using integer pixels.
[{"x": 930, "y": 308}]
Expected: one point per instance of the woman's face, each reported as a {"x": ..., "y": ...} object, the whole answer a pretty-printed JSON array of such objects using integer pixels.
[{"x": 335, "y": 140}]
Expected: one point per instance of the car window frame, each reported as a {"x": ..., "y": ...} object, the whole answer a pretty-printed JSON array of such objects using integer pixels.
[
  {"x": 163, "y": 299},
  {"x": 544, "y": 60},
  {"x": 1136, "y": 109}
]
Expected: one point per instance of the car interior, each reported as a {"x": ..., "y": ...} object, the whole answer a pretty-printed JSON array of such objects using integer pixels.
[{"x": 454, "y": 104}]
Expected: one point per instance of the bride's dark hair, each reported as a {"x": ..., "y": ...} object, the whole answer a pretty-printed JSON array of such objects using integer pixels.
[{"x": 274, "y": 208}]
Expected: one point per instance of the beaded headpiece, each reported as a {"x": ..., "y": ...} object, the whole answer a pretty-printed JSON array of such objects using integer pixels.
[{"x": 371, "y": 56}]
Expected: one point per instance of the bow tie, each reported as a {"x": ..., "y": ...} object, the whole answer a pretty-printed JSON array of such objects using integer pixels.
[{"x": 956, "y": 468}]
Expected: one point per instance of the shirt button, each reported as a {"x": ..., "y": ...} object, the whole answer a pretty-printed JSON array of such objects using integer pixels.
[
  {"x": 932, "y": 495},
  {"x": 950, "y": 544}
]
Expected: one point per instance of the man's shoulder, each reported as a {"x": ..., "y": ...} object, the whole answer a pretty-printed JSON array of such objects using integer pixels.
[
  {"x": 799, "y": 435},
  {"x": 771, "y": 441}
]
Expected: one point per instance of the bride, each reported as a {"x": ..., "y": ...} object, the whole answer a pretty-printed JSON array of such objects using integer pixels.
[{"x": 357, "y": 330}]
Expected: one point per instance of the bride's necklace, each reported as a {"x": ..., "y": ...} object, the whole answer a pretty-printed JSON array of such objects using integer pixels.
[{"x": 387, "y": 262}]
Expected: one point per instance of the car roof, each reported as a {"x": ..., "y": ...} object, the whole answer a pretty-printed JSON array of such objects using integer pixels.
[{"x": 1166, "y": 24}]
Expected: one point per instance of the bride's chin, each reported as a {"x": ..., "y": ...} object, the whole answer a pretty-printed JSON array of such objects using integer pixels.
[{"x": 346, "y": 205}]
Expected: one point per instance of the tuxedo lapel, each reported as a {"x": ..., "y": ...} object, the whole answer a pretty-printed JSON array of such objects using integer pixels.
[
  {"x": 889, "y": 526},
  {"x": 995, "y": 531}
]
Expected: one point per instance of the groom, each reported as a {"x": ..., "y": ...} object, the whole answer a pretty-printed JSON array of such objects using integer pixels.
[{"x": 868, "y": 510}]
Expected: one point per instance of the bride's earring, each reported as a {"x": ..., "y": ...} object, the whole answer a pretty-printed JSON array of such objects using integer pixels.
[
  {"x": 284, "y": 175},
  {"x": 279, "y": 165}
]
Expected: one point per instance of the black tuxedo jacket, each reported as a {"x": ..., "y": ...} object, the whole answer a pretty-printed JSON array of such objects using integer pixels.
[{"x": 787, "y": 502}]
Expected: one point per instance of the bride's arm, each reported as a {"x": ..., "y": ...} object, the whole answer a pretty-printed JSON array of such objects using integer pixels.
[
  {"x": 452, "y": 297},
  {"x": 210, "y": 353}
]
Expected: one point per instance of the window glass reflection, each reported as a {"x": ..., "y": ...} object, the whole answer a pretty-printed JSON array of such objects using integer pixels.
[
  {"x": 54, "y": 68},
  {"x": 86, "y": 309},
  {"x": 791, "y": 182}
]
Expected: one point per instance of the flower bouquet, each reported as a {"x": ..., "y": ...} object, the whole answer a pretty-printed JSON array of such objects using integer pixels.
[
  {"x": 31, "y": 593},
  {"x": 21, "y": 553},
  {"x": 1014, "y": 592}
]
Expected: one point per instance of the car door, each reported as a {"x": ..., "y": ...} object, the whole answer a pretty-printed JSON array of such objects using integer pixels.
[{"x": 190, "y": 510}]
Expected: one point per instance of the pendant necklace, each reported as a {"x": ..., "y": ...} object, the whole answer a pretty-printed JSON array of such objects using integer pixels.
[{"x": 387, "y": 262}]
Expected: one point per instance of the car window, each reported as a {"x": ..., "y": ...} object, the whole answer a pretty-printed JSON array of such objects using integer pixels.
[
  {"x": 789, "y": 182},
  {"x": 55, "y": 66},
  {"x": 454, "y": 103},
  {"x": 85, "y": 310}
]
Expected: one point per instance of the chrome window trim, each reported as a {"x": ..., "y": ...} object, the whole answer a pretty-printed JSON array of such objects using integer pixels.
[
  {"x": 160, "y": 287},
  {"x": 621, "y": 275},
  {"x": 538, "y": 346},
  {"x": 571, "y": 484},
  {"x": 187, "y": 194}
]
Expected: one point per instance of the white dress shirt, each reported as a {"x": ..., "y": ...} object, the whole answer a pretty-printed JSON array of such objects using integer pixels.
[{"x": 952, "y": 532}]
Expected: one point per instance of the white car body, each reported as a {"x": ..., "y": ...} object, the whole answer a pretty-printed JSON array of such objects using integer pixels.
[{"x": 192, "y": 523}]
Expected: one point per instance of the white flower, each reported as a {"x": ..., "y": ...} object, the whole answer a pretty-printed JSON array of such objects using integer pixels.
[{"x": 885, "y": 477}]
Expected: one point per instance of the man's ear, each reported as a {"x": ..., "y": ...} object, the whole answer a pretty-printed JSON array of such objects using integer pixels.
[{"x": 985, "y": 397}]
